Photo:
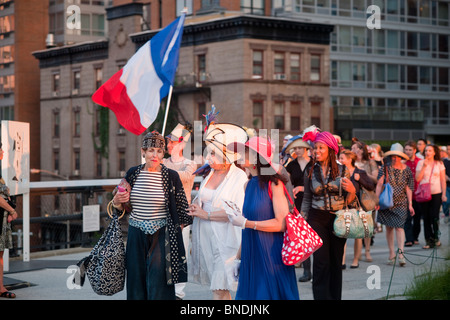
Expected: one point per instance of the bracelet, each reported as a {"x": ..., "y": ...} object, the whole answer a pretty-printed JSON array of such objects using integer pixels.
[
  {"x": 209, "y": 215},
  {"x": 254, "y": 228},
  {"x": 11, "y": 212},
  {"x": 117, "y": 206}
]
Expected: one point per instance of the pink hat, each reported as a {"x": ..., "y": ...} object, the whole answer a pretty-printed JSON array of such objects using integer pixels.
[
  {"x": 323, "y": 137},
  {"x": 258, "y": 144}
]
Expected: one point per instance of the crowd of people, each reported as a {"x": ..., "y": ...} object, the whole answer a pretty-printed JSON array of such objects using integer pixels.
[{"x": 229, "y": 237}]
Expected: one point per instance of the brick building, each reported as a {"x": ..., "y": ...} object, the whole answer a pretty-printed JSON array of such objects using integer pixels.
[
  {"x": 261, "y": 72},
  {"x": 255, "y": 69}
]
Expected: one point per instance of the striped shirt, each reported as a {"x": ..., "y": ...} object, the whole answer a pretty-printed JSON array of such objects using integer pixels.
[{"x": 147, "y": 197}]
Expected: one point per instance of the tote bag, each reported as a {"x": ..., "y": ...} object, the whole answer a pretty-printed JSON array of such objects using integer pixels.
[
  {"x": 105, "y": 265},
  {"x": 300, "y": 240},
  {"x": 386, "y": 200}
]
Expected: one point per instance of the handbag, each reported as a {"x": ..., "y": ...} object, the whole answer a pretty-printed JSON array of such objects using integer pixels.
[
  {"x": 353, "y": 223},
  {"x": 105, "y": 265},
  {"x": 369, "y": 199},
  {"x": 12, "y": 204},
  {"x": 300, "y": 240},
  {"x": 423, "y": 191},
  {"x": 386, "y": 199}
]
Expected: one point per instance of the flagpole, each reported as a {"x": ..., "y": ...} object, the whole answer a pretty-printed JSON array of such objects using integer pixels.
[{"x": 169, "y": 97}]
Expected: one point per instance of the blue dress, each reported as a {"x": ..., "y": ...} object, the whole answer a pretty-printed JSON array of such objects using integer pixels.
[{"x": 263, "y": 276}]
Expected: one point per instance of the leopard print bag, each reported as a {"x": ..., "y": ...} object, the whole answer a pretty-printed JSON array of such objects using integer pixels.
[{"x": 105, "y": 265}]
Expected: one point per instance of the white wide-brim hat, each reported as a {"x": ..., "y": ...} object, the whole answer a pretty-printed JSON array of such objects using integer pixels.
[{"x": 222, "y": 134}]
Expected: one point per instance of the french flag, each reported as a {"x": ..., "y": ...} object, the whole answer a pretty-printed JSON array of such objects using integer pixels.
[{"x": 134, "y": 93}]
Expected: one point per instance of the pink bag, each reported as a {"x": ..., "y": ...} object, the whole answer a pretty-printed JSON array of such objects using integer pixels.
[
  {"x": 300, "y": 240},
  {"x": 423, "y": 191}
]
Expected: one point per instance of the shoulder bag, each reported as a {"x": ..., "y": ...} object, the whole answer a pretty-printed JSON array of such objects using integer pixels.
[
  {"x": 300, "y": 240},
  {"x": 423, "y": 191},
  {"x": 105, "y": 265},
  {"x": 386, "y": 199},
  {"x": 353, "y": 223}
]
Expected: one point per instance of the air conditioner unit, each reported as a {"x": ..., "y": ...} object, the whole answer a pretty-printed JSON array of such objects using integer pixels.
[
  {"x": 74, "y": 91},
  {"x": 55, "y": 93},
  {"x": 76, "y": 172},
  {"x": 279, "y": 76}
]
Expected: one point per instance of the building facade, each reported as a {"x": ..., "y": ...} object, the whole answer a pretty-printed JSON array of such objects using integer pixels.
[
  {"x": 19, "y": 71},
  {"x": 261, "y": 72},
  {"x": 79, "y": 139},
  {"x": 390, "y": 83}
]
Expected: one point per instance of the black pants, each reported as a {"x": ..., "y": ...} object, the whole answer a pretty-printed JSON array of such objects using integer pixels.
[
  {"x": 327, "y": 262},
  {"x": 145, "y": 263},
  {"x": 430, "y": 212},
  {"x": 412, "y": 224}
]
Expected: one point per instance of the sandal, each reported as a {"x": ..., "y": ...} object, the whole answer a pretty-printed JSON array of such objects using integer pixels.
[
  {"x": 408, "y": 244},
  {"x": 391, "y": 261},
  {"x": 7, "y": 295}
]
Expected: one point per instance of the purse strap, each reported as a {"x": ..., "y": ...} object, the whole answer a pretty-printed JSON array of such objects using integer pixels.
[
  {"x": 287, "y": 194},
  {"x": 431, "y": 172}
]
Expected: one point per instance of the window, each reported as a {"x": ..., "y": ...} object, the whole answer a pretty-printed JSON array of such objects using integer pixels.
[
  {"x": 122, "y": 161},
  {"x": 77, "y": 123},
  {"x": 56, "y": 160},
  {"x": 55, "y": 84},
  {"x": 295, "y": 116},
  {"x": 98, "y": 24},
  {"x": 258, "y": 114},
  {"x": 279, "y": 63},
  {"x": 253, "y": 6},
  {"x": 76, "y": 82},
  {"x": 77, "y": 159},
  {"x": 258, "y": 60},
  {"x": 315, "y": 68},
  {"x": 443, "y": 79},
  {"x": 98, "y": 77},
  {"x": 315, "y": 113},
  {"x": 344, "y": 74},
  {"x": 411, "y": 45},
  {"x": 181, "y": 4},
  {"x": 201, "y": 71},
  {"x": 56, "y": 124},
  {"x": 412, "y": 77},
  {"x": 279, "y": 115},
  {"x": 295, "y": 66}
]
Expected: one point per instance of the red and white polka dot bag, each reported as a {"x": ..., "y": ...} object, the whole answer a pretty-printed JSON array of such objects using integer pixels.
[{"x": 300, "y": 239}]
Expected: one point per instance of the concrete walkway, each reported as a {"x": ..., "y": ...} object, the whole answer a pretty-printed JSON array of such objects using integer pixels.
[{"x": 49, "y": 277}]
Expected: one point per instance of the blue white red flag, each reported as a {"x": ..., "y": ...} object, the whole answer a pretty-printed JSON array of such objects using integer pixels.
[{"x": 134, "y": 93}]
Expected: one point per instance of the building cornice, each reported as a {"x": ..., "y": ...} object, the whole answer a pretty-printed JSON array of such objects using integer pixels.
[
  {"x": 72, "y": 54},
  {"x": 247, "y": 26}
]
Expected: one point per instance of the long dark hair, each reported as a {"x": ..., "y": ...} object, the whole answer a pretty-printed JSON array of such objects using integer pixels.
[
  {"x": 437, "y": 152},
  {"x": 332, "y": 164},
  {"x": 267, "y": 178}
]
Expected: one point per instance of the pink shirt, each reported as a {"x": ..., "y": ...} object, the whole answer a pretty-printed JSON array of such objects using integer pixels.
[{"x": 436, "y": 176}]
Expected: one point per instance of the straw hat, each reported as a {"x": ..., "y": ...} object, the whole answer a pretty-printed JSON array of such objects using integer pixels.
[
  {"x": 397, "y": 150},
  {"x": 296, "y": 141}
]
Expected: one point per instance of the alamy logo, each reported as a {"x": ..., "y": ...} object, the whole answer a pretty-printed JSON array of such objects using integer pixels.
[
  {"x": 73, "y": 17},
  {"x": 374, "y": 21}
]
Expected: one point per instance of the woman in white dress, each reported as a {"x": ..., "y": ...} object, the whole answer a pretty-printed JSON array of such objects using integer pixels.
[{"x": 215, "y": 240}]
